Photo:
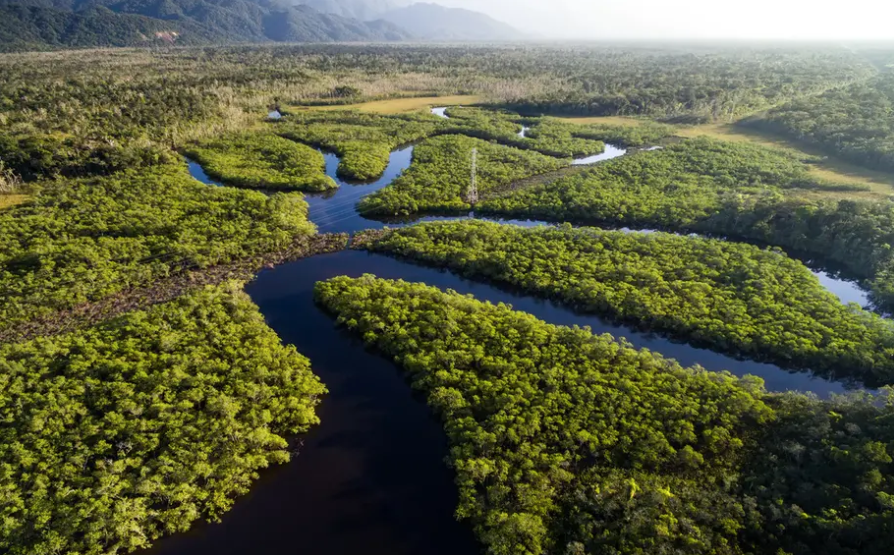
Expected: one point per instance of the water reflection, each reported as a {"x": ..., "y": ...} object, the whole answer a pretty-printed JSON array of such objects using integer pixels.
[
  {"x": 335, "y": 212},
  {"x": 198, "y": 173},
  {"x": 611, "y": 151}
]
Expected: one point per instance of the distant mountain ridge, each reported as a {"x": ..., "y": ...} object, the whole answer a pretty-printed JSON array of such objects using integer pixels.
[
  {"x": 364, "y": 10},
  {"x": 40, "y": 24},
  {"x": 435, "y": 22},
  {"x": 43, "y": 24},
  {"x": 427, "y": 21}
]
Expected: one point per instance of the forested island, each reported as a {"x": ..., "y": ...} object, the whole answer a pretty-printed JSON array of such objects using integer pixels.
[
  {"x": 567, "y": 442},
  {"x": 717, "y": 197}
]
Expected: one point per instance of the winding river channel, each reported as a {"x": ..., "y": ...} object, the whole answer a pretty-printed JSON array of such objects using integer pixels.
[{"x": 371, "y": 477}]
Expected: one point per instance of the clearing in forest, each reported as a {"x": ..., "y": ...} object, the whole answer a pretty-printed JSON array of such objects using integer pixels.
[
  {"x": 827, "y": 169},
  {"x": 7, "y": 201},
  {"x": 404, "y": 105}
]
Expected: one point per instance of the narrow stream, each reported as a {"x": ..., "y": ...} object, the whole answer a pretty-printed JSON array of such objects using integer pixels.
[
  {"x": 371, "y": 477},
  {"x": 198, "y": 173},
  {"x": 335, "y": 212}
]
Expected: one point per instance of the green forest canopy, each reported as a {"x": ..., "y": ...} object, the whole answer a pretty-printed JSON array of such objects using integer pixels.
[
  {"x": 81, "y": 241},
  {"x": 732, "y": 296},
  {"x": 262, "y": 161},
  {"x": 855, "y": 123},
  {"x": 118, "y": 434},
  {"x": 733, "y": 189},
  {"x": 566, "y": 442},
  {"x": 440, "y": 176}
]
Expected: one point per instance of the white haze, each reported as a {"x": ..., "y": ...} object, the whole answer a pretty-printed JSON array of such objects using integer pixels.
[{"x": 693, "y": 19}]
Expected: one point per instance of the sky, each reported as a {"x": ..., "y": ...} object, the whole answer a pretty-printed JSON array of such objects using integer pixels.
[{"x": 698, "y": 19}]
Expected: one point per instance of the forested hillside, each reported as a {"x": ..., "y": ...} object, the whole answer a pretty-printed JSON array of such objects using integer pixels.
[
  {"x": 35, "y": 28},
  {"x": 431, "y": 21},
  {"x": 40, "y": 24},
  {"x": 363, "y": 10}
]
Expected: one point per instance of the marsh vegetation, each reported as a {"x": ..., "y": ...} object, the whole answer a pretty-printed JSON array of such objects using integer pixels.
[{"x": 138, "y": 401}]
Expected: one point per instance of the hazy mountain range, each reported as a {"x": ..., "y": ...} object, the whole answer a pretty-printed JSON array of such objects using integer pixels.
[
  {"x": 42, "y": 24},
  {"x": 426, "y": 21}
]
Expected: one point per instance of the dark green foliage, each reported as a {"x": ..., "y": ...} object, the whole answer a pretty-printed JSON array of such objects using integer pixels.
[
  {"x": 545, "y": 421},
  {"x": 855, "y": 123},
  {"x": 675, "y": 186},
  {"x": 262, "y": 161},
  {"x": 732, "y": 296},
  {"x": 84, "y": 240},
  {"x": 116, "y": 435},
  {"x": 823, "y": 478},
  {"x": 568, "y": 443},
  {"x": 857, "y": 234},
  {"x": 643, "y": 134},
  {"x": 547, "y": 136},
  {"x": 490, "y": 125},
  {"x": 441, "y": 175},
  {"x": 551, "y": 136},
  {"x": 35, "y": 157},
  {"x": 365, "y": 141},
  {"x": 25, "y": 27},
  {"x": 734, "y": 189},
  {"x": 38, "y": 24},
  {"x": 346, "y": 91}
]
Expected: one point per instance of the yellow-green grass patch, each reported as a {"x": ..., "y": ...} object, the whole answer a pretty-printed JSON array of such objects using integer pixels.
[
  {"x": 403, "y": 105},
  {"x": 7, "y": 201},
  {"x": 828, "y": 169},
  {"x": 605, "y": 120}
]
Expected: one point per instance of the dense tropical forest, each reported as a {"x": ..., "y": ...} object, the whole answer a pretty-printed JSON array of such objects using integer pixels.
[
  {"x": 142, "y": 391},
  {"x": 566, "y": 442},
  {"x": 82, "y": 241},
  {"x": 262, "y": 161},
  {"x": 733, "y": 189},
  {"x": 117, "y": 434},
  {"x": 856, "y": 122},
  {"x": 732, "y": 296},
  {"x": 441, "y": 176}
]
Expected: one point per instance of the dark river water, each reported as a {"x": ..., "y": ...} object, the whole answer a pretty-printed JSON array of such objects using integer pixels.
[{"x": 371, "y": 477}]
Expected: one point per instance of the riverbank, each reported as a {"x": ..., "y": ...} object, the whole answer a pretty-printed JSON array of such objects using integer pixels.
[{"x": 165, "y": 290}]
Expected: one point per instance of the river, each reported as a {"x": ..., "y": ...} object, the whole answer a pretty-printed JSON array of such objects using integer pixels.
[{"x": 371, "y": 477}]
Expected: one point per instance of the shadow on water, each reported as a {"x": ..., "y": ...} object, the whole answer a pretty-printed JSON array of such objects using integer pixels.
[
  {"x": 371, "y": 477},
  {"x": 198, "y": 173}
]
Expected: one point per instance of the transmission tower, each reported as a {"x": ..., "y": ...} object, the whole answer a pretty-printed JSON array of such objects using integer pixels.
[{"x": 472, "y": 194}]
